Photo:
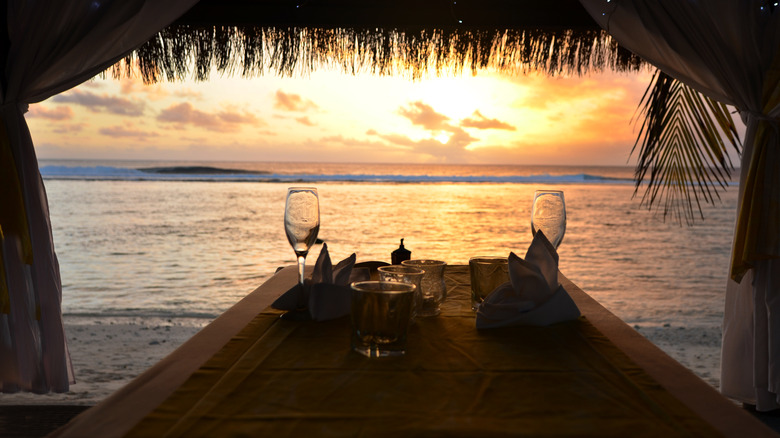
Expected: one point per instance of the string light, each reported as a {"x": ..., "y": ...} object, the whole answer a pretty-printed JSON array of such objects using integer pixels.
[{"x": 452, "y": 12}]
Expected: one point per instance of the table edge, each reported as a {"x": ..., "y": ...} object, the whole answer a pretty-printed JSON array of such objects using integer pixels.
[
  {"x": 723, "y": 414},
  {"x": 122, "y": 410}
]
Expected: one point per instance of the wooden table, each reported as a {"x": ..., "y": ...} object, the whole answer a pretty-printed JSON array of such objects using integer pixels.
[{"x": 251, "y": 374}]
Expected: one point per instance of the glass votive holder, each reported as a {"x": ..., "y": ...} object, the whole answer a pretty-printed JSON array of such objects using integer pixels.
[
  {"x": 381, "y": 312},
  {"x": 486, "y": 274},
  {"x": 405, "y": 274},
  {"x": 434, "y": 291}
]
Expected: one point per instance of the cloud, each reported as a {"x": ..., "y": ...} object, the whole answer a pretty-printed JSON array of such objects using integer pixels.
[
  {"x": 223, "y": 121},
  {"x": 292, "y": 102},
  {"x": 446, "y": 142},
  {"x": 552, "y": 93},
  {"x": 398, "y": 139},
  {"x": 348, "y": 141},
  {"x": 357, "y": 149},
  {"x": 305, "y": 121},
  {"x": 477, "y": 120},
  {"x": 96, "y": 103},
  {"x": 69, "y": 128},
  {"x": 451, "y": 150},
  {"x": 58, "y": 113},
  {"x": 422, "y": 114},
  {"x": 158, "y": 91},
  {"x": 136, "y": 87},
  {"x": 188, "y": 93},
  {"x": 234, "y": 117},
  {"x": 577, "y": 153},
  {"x": 127, "y": 130}
]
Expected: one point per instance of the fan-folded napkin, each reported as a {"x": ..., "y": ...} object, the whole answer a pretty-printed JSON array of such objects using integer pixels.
[
  {"x": 532, "y": 296},
  {"x": 327, "y": 295}
]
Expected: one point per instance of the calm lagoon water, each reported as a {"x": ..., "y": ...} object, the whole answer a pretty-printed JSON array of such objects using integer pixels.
[{"x": 175, "y": 240}]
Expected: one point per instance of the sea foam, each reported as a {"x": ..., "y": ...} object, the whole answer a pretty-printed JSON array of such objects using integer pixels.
[{"x": 207, "y": 173}]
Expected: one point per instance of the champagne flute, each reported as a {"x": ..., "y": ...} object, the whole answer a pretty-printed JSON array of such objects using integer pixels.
[
  {"x": 548, "y": 214},
  {"x": 302, "y": 222}
]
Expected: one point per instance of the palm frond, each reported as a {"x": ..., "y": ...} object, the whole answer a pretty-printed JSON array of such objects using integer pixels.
[{"x": 683, "y": 159}]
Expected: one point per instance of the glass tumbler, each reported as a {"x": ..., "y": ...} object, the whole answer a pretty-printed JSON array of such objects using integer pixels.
[
  {"x": 381, "y": 312},
  {"x": 486, "y": 274},
  {"x": 405, "y": 274},
  {"x": 434, "y": 290}
]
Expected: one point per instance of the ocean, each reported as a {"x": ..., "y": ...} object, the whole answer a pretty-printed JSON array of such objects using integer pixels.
[{"x": 190, "y": 239}]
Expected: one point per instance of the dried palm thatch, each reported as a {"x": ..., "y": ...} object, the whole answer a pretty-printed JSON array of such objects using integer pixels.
[
  {"x": 413, "y": 38},
  {"x": 195, "y": 51}
]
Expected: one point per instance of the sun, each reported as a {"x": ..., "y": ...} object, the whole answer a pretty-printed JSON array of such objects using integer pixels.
[
  {"x": 456, "y": 97},
  {"x": 442, "y": 138}
]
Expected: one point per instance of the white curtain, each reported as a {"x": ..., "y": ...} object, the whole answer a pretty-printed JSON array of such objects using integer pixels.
[
  {"x": 51, "y": 46},
  {"x": 730, "y": 51}
]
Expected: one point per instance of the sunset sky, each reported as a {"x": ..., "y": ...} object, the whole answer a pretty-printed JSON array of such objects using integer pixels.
[{"x": 329, "y": 116}]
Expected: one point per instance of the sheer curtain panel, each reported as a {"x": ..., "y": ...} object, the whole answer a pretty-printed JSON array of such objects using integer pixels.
[
  {"x": 47, "y": 47},
  {"x": 730, "y": 51}
]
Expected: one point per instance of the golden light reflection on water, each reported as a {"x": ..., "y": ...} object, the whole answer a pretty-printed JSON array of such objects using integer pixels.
[
  {"x": 193, "y": 247},
  {"x": 442, "y": 221}
]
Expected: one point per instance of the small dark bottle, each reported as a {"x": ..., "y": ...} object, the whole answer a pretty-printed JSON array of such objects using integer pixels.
[{"x": 400, "y": 254}]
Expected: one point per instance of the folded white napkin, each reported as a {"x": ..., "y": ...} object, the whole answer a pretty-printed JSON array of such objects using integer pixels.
[
  {"x": 327, "y": 295},
  {"x": 533, "y": 296}
]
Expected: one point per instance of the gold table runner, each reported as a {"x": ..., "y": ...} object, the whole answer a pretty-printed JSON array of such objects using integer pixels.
[{"x": 287, "y": 378}]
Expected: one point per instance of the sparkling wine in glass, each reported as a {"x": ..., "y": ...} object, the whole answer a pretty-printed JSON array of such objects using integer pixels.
[
  {"x": 548, "y": 214},
  {"x": 302, "y": 222}
]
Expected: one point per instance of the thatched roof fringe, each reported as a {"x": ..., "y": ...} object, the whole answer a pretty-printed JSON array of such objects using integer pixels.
[{"x": 181, "y": 51}]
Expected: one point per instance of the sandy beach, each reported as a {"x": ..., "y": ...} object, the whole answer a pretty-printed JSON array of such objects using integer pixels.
[
  {"x": 696, "y": 348},
  {"x": 107, "y": 353}
]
